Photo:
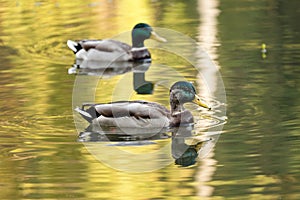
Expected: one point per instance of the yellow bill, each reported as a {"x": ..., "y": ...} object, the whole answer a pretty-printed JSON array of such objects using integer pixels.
[
  {"x": 156, "y": 37},
  {"x": 198, "y": 101}
]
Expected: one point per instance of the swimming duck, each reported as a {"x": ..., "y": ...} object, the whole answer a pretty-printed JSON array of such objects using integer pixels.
[
  {"x": 144, "y": 114},
  {"x": 113, "y": 50}
]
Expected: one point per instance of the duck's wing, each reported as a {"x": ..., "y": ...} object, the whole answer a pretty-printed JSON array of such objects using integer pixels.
[
  {"x": 138, "y": 114},
  {"x": 127, "y": 114},
  {"x": 137, "y": 109},
  {"x": 89, "y": 44},
  {"x": 120, "y": 48},
  {"x": 106, "y": 45},
  {"x": 113, "y": 45},
  {"x": 133, "y": 122}
]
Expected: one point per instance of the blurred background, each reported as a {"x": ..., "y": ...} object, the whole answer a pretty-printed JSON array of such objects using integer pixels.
[{"x": 256, "y": 157}]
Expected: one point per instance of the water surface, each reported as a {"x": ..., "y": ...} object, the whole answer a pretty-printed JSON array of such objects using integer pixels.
[{"x": 257, "y": 154}]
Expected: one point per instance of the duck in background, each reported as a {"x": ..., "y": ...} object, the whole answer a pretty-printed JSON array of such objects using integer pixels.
[
  {"x": 115, "y": 51},
  {"x": 144, "y": 114}
]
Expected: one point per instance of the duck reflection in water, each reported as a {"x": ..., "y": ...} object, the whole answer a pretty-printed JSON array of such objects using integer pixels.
[
  {"x": 107, "y": 69},
  {"x": 140, "y": 85},
  {"x": 185, "y": 146}
]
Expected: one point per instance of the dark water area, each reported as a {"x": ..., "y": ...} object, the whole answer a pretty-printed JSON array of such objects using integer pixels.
[{"x": 253, "y": 139}]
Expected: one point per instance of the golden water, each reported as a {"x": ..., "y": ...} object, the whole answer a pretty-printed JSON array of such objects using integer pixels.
[{"x": 257, "y": 156}]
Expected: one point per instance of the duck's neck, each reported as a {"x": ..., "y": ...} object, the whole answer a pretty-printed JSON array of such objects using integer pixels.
[
  {"x": 137, "y": 42},
  {"x": 180, "y": 116},
  {"x": 138, "y": 45},
  {"x": 176, "y": 108}
]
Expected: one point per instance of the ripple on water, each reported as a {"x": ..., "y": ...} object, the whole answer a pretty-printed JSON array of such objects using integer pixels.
[{"x": 214, "y": 118}]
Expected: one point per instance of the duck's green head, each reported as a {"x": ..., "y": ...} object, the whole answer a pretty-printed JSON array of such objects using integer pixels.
[
  {"x": 143, "y": 31},
  {"x": 182, "y": 92}
]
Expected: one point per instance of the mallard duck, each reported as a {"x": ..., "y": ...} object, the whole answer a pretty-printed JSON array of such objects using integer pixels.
[
  {"x": 144, "y": 114},
  {"x": 112, "y": 50}
]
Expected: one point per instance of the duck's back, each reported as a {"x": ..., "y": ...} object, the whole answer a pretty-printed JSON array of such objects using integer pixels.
[
  {"x": 101, "y": 50},
  {"x": 132, "y": 114},
  {"x": 105, "y": 45}
]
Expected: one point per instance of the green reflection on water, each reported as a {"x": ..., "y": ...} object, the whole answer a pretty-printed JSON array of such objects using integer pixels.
[{"x": 261, "y": 100}]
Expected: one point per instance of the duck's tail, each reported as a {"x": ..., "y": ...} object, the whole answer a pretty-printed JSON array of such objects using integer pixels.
[
  {"x": 74, "y": 46},
  {"x": 88, "y": 114}
]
